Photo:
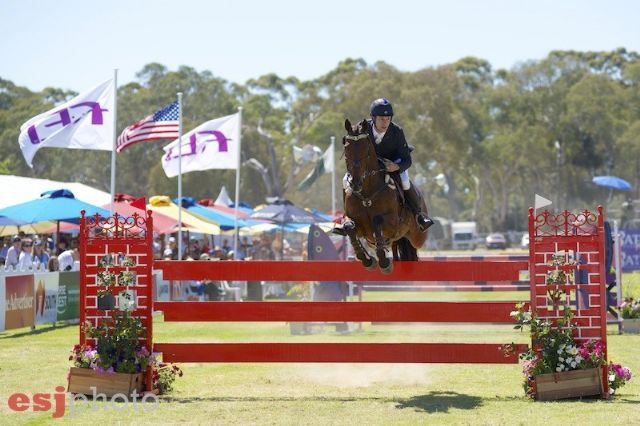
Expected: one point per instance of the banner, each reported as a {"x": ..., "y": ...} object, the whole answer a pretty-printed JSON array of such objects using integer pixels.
[
  {"x": 212, "y": 145},
  {"x": 630, "y": 244},
  {"x": 68, "y": 300},
  {"x": 85, "y": 122},
  {"x": 18, "y": 301},
  {"x": 46, "y": 296}
]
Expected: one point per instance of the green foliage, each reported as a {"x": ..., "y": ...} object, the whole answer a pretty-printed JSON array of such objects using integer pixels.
[{"x": 497, "y": 136}]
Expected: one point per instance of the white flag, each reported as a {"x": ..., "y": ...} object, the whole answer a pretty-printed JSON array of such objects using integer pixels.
[
  {"x": 540, "y": 202},
  {"x": 211, "y": 145},
  {"x": 328, "y": 159},
  {"x": 85, "y": 122}
]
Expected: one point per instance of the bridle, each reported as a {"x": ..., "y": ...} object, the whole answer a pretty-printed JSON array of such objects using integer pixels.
[{"x": 367, "y": 202}]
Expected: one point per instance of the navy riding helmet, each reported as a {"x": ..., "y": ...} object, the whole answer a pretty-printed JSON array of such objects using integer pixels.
[{"x": 381, "y": 107}]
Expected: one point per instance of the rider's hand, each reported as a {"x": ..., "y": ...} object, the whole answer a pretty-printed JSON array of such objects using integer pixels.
[{"x": 391, "y": 166}]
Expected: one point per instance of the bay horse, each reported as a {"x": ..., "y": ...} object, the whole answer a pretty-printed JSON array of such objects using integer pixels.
[{"x": 374, "y": 206}]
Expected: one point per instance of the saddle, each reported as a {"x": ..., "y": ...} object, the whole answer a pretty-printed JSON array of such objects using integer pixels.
[{"x": 395, "y": 179}]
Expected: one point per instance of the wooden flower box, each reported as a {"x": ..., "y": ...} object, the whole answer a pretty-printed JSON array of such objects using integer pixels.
[
  {"x": 631, "y": 325},
  {"x": 81, "y": 380},
  {"x": 569, "y": 384}
]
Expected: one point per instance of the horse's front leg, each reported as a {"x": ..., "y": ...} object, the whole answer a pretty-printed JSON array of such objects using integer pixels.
[
  {"x": 386, "y": 266},
  {"x": 367, "y": 261}
]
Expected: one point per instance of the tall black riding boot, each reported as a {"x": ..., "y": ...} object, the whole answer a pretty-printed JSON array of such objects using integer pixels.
[{"x": 413, "y": 201}]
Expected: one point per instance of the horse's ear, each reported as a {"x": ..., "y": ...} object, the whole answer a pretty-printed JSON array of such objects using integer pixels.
[
  {"x": 347, "y": 126},
  {"x": 364, "y": 126}
]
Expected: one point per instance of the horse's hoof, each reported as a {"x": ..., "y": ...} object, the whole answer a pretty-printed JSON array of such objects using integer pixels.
[
  {"x": 371, "y": 266},
  {"x": 388, "y": 269}
]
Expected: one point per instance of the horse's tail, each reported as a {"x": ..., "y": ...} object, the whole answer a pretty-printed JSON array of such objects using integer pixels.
[{"x": 405, "y": 251}]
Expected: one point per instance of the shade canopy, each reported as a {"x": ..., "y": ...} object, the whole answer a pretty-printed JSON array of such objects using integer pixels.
[
  {"x": 224, "y": 220},
  {"x": 612, "y": 182},
  {"x": 56, "y": 205},
  {"x": 163, "y": 204}
]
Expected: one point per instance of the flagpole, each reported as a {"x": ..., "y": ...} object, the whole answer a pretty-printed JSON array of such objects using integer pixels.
[
  {"x": 113, "y": 150},
  {"x": 333, "y": 175},
  {"x": 235, "y": 219},
  {"x": 179, "y": 175}
]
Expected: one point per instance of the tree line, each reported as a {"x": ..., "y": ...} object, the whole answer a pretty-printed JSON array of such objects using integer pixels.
[{"x": 485, "y": 140}]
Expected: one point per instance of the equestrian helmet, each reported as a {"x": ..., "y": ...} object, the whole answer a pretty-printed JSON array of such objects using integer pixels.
[{"x": 381, "y": 107}]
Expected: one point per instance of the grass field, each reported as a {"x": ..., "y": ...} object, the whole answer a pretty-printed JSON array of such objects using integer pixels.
[{"x": 322, "y": 394}]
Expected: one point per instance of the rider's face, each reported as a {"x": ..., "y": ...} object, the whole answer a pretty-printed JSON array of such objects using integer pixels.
[{"x": 381, "y": 123}]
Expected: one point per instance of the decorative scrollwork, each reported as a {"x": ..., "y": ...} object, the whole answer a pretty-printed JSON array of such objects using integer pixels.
[
  {"x": 566, "y": 223},
  {"x": 116, "y": 227}
]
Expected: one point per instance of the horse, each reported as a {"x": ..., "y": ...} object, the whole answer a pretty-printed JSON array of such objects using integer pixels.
[{"x": 374, "y": 205}]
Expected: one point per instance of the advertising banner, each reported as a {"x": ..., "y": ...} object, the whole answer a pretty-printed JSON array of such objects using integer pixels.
[
  {"x": 18, "y": 301},
  {"x": 68, "y": 302},
  {"x": 46, "y": 296},
  {"x": 630, "y": 259}
]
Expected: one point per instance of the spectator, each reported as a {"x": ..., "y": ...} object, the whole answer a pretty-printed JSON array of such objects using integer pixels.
[
  {"x": 157, "y": 247},
  {"x": 53, "y": 265},
  {"x": 225, "y": 247},
  {"x": 67, "y": 258},
  {"x": 40, "y": 256},
  {"x": 61, "y": 247},
  {"x": 25, "y": 261},
  {"x": 13, "y": 254},
  {"x": 173, "y": 245},
  {"x": 6, "y": 243}
]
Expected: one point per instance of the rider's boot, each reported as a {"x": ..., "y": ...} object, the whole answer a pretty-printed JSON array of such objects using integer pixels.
[
  {"x": 413, "y": 201},
  {"x": 338, "y": 228}
]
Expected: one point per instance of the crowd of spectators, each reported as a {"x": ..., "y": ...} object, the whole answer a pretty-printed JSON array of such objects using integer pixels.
[{"x": 24, "y": 252}]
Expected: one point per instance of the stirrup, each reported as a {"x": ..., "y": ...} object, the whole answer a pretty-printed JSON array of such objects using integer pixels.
[{"x": 424, "y": 221}]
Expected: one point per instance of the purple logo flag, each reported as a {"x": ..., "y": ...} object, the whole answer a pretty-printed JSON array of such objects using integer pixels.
[
  {"x": 162, "y": 124},
  {"x": 84, "y": 122},
  {"x": 211, "y": 145}
]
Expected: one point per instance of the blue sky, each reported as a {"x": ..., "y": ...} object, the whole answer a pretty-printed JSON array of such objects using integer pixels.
[{"x": 75, "y": 44}]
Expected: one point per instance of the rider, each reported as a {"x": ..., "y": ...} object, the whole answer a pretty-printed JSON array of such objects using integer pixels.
[{"x": 391, "y": 146}]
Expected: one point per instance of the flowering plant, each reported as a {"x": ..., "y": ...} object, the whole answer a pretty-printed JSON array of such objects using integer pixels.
[
  {"x": 555, "y": 350},
  {"x": 630, "y": 308},
  {"x": 164, "y": 376},
  {"x": 117, "y": 346},
  {"x": 618, "y": 376},
  {"x": 118, "y": 350}
]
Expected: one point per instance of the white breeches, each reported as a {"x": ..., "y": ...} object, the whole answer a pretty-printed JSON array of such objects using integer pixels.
[{"x": 404, "y": 178}]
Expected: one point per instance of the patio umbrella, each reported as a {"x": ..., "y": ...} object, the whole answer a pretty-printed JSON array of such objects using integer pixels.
[
  {"x": 284, "y": 212},
  {"x": 53, "y": 206},
  {"x": 612, "y": 182}
]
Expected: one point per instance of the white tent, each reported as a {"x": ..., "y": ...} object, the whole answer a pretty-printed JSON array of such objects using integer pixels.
[
  {"x": 223, "y": 198},
  {"x": 19, "y": 189}
]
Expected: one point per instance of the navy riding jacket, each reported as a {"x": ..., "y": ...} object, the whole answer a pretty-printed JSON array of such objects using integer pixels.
[{"x": 393, "y": 146}]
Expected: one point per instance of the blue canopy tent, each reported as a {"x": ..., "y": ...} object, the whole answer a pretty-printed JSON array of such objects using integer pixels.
[
  {"x": 57, "y": 205},
  {"x": 53, "y": 206}
]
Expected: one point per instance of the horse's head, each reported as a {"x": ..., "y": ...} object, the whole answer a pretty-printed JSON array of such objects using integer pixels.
[{"x": 358, "y": 150}]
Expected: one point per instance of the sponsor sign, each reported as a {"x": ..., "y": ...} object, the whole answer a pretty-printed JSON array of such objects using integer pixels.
[
  {"x": 19, "y": 301},
  {"x": 46, "y": 297}
]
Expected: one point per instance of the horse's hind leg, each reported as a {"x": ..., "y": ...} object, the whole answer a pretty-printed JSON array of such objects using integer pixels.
[
  {"x": 367, "y": 261},
  {"x": 386, "y": 265}
]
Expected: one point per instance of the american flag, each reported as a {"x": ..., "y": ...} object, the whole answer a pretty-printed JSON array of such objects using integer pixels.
[{"x": 160, "y": 125}]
